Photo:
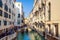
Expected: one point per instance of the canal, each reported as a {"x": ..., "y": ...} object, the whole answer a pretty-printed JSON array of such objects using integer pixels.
[{"x": 32, "y": 35}]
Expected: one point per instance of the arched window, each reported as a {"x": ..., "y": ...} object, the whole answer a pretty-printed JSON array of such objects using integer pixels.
[
  {"x": 6, "y": 7},
  {"x": 49, "y": 10},
  {"x": 1, "y": 3},
  {"x": 49, "y": 7}
]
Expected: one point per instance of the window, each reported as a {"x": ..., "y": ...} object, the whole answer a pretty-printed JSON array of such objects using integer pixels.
[
  {"x": 6, "y": 7},
  {"x": 18, "y": 15},
  {"x": 9, "y": 10},
  {"x": 49, "y": 28},
  {"x": 5, "y": 23},
  {"x": 56, "y": 29},
  {"x": 0, "y": 12},
  {"x": 13, "y": 5},
  {"x": 1, "y": 3},
  {"x": 18, "y": 21},
  {"x": 49, "y": 11},
  {"x": 10, "y": 16},
  {"x": 5, "y": 15},
  {"x": 22, "y": 21},
  {"x": 18, "y": 4},
  {"x": 36, "y": 13},
  {"x": 0, "y": 22}
]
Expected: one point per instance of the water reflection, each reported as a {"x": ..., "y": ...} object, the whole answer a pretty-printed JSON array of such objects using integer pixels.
[{"x": 29, "y": 36}]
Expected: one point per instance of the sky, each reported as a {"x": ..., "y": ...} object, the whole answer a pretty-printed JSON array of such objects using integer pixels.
[{"x": 27, "y": 6}]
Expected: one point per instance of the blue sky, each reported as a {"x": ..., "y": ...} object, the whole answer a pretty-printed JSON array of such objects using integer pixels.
[{"x": 27, "y": 6}]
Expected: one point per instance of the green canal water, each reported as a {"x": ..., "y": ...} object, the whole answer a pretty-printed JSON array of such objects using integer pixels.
[{"x": 29, "y": 36}]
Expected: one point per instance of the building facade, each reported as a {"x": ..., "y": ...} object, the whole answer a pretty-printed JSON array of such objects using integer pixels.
[
  {"x": 7, "y": 14},
  {"x": 45, "y": 18},
  {"x": 52, "y": 19},
  {"x": 19, "y": 14}
]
